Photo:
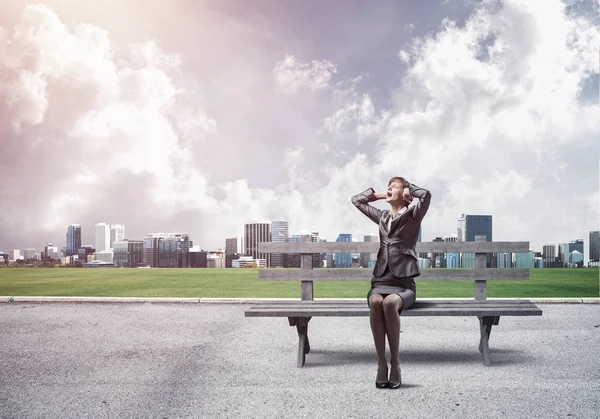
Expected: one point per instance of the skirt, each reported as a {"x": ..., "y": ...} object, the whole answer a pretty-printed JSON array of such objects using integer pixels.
[{"x": 404, "y": 287}]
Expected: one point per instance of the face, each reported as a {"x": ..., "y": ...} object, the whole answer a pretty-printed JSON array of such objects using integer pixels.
[{"x": 394, "y": 192}]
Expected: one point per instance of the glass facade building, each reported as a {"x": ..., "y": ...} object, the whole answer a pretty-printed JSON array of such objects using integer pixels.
[
  {"x": 343, "y": 260},
  {"x": 73, "y": 240}
]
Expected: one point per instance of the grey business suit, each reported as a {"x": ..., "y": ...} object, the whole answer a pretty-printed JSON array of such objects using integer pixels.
[{"x": 397, "y": 245}]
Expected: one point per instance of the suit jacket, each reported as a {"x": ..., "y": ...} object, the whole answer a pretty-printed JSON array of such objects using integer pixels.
[{"x": 397, "y": 245}]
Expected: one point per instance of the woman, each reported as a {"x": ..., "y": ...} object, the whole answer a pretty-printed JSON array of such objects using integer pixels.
[{"x": 393, "y": 286}]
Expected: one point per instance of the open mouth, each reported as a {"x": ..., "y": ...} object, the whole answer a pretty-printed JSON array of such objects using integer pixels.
[{"x": 389, "y": 194}]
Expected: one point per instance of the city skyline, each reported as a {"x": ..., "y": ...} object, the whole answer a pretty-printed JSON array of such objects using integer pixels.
[
  {"x": 265, "y": 230},
  {"x": 204, "y": 115}
]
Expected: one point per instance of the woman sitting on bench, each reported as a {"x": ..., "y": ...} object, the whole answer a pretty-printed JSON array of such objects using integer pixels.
[{"x": 392, "y": 285}]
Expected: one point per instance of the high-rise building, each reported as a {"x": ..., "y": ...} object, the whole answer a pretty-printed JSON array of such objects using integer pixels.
[
  {"x": 117, "y": 233},
  {"x": 279, "y": 234},
  {"x": 166, "y": 250},
  {"x": 549, "y": 253},
  {"x": 128, "y": 253},
  {"x": 469, "y": 226},
  {"x": 594, "y": 246},
  {"x": 565, "y": 250},
  {"x": 343, "y": 260},
  {"x": 29, "y": 253},
  {"x": 14, "y": 254},
  {"x": 101, "y": 237},
  {"x": 257, "y": 232},
  {"x": 368, "y": 257},
  {"x": 293, "y": 260},
  {"x": 73, "y": 239},
  {"x": 231, "y": 245}
]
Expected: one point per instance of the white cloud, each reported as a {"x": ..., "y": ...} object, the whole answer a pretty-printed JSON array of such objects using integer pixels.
[
  {"x": 481, "y": 130},
  {"x": 487, "y": 116},
  {"x": 292, "y": 75}
]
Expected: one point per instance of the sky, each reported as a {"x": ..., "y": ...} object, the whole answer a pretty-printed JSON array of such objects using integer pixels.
[{"x": 198, "y": 116}]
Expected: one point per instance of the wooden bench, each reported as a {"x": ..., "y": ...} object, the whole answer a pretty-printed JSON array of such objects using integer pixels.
[{"x": 299, "y": 313}]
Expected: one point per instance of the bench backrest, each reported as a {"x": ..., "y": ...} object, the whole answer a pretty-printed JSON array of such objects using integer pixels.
[{"x": 306, "y": 274}]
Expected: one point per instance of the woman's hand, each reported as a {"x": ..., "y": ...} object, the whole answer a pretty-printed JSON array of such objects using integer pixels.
[{"x": 380, "y": 195}]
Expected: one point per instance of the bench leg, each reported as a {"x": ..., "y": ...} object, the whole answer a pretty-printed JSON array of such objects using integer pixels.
[
  {"x": 485, "y": 328},
  {"x": 301, "y": 324}
]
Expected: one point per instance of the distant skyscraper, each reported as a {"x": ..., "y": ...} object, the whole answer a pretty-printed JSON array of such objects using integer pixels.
[
  {"x": 73, "y": 239},
  {"x": 29, "y": 253},
  {"x": 231, "y": 245},
  {"x": 14, "y": 254},
  {"x": 469, "y": 226},
  {"x": 343, "y": 260},
  {"x": 166, "y": 250},
  {"x": 549, "y": 253},
  {"x": 254, "y": 233},
  {"x": 279, "y": 234},
  {"x": 101, "y": 237},
  {"x": 594, "y": 246},
  {"x": 117, "y": 233},
  {"x": 565, "y": 249}
]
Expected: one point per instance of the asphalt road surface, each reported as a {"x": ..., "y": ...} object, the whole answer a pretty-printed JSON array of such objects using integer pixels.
[{"x": 142, "y": 360}]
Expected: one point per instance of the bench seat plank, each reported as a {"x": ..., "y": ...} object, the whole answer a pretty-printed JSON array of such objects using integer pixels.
[{"x": 357, "y": 309}]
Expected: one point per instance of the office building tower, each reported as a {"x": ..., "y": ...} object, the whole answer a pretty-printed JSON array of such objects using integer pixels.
[
  {"x": 29, "y": 253},
  {"x": 128, "y": 253},
  {"x": 254, "y": 233},
  {"x": 117, "y": 233},
  {"x": 73, "y": 239},
  {"x": 231, "y": 251},
  {"x": 594, "y": 246},
  {"x": 101, "y": 237},
  {"x": 293, "y": 260},
  {"x": 343, "y": 260},
  {"x": 231, "y": 245},
  {"x": 166, "y": 250},
  {"x": 279, "y": 234},
  {"x": 14, "y": 254},
  {"x": 565, "y": 250},
  {"x": 469, "y": 226},
  {"x": 549, "y": 253}
]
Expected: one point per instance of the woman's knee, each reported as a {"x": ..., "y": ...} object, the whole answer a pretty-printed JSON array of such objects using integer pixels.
[
  {"x": 392, "y": 303},
  {"x": 376, "y": 301}
]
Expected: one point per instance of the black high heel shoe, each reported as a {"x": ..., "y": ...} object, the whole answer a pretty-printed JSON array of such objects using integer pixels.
[
  {"x": 383, "y": 384},
  {"x": 393, "y": 385}
]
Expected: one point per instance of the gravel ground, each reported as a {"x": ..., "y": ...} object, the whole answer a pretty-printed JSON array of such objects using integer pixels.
[{"x": 142, "y": 360}]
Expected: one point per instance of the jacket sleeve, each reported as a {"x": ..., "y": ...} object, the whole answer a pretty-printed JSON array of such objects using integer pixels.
[
  {"x": 424, "y": 198},
  {"x": 361, "y": 201}
]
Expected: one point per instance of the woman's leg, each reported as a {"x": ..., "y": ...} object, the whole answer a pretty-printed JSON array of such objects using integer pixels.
[
  {"x": 391, "y": 309},
  {"x": 378, "y": 328}
]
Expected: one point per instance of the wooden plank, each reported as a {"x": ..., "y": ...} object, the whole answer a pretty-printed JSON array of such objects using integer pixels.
[
  {"x": 362, "y": 306},
  {"x": 307, "y": 290},
  {"x": 364, "y": 274},
  {"x": 373, "y": 247},
  {"x": 435, "y": 308},
  {"x": 324, "y": 312}
]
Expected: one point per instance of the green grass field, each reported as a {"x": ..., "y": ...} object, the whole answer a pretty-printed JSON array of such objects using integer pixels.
[{"x": 206, "y": 283}]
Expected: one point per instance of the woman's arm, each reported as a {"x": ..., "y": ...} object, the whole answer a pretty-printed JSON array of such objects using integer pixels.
[
  {"x": 424, "y": 197},
  {"x": 361, "y": 201}
]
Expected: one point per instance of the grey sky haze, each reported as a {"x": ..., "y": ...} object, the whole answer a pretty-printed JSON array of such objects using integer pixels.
[{"x": 198, "y": 116}]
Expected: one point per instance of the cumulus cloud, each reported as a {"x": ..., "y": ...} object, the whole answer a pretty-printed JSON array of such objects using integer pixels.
[
  {"x": 485, "y": 117},
  {"x": 489, "y": 115},
  {"x": 292, "y": 75}
]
